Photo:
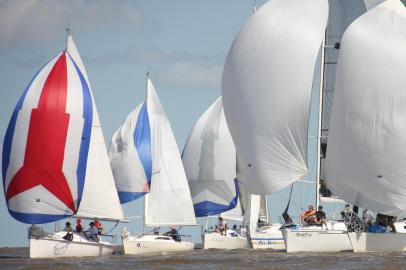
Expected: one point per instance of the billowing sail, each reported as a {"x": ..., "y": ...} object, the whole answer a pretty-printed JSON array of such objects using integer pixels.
[
  {"x": 209, "y": 158},
  {"x": 46, "y": 145},
  {"x": 169, "y": 201},
  {"x": 267, "y": 83},
  {"x": 100, "y": 199},
  {"x": 130, "y": 155},
  {"x": 366, "y": 156},
  {"x": 341, "y": 14}
]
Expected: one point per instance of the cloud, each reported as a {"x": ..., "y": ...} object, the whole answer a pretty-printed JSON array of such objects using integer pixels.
[
  {"x": 23, "y": 21},
  {"x": 192, "y": 75},
  {"x": 178, "y": 69},
  {"x": 150, "y": 55}
]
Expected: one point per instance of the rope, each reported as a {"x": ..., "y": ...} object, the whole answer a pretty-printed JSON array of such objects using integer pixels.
[{"x": 115, "y": 226}]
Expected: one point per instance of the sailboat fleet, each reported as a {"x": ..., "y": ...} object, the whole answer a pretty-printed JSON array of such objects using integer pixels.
[{"x": 250, "y": 143}]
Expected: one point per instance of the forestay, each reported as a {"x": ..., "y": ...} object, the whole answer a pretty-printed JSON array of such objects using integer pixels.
[
  {"x": 366, "y": 154},
  {"x": 169, "y": 201},
  {"x": 46, "y": 144},
  {"x": 267, "y": 82},
  {"x": 209, "y": 158},
  {"x": 100, "y": 199}
]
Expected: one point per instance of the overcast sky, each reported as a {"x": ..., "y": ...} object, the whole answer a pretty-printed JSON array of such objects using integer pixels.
[{"x": 184, "y": 43}]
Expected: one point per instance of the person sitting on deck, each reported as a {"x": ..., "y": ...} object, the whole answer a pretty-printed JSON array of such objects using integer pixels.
[
  {"x": 367, "y": 218},
  {"x": 387, "y": 221},
  {"x": 79, "y": 227},
  {"x": 92, "y": 233},
  {"x": 98, "y": 226},
  {"x": 309, "y": 216},
  {"x": 320, "y": 216},
  {"x": 69, "y": 235},
  {"x": 174, "y": 234},
  {"x": 221, "y": 226},
  {"x": 155, "y": 230},
  {"x": 242, "y": 231}
]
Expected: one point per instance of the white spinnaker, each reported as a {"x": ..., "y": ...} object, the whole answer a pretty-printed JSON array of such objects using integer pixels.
[
  {"x": 99, "y": 199},
  {"x": 209, "y": 158},
  {"x": 169, "y": 201},
  {"x": 366, "y": 155},
  {"x": 266, "y": 87}
]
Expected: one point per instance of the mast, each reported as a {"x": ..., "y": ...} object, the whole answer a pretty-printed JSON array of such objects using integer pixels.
[
  {"x": 320, "y": 110},
  {"x": 146, "y": 195}
]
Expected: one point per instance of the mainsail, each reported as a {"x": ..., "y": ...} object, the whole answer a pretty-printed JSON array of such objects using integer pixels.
[
  {"x": 169, "y": 200},
  {"x": 209, "y": 158},
  {"x": 100, "y": 199},
  {"x": 266, "y": 87},
  {"x": 366, "y": 157},
  {"x": 46, "y": 145}
]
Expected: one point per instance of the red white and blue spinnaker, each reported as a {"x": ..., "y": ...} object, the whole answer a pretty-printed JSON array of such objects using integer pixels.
[{"x": 46, "y": 144}]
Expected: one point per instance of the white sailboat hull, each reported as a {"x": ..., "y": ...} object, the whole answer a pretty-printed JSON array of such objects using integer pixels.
[
  {"x": 317, "y": 239},
  {"x": 154, "y": 244},
  {"x": 378, "y": 242},
  {"x": 269, "y": 237},
  {"x": 54, "y": 246},
  {"x": 218, "y": 241}
]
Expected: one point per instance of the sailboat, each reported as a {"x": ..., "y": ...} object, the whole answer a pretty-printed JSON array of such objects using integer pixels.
[
  {"x": 267, "y": 79},
  {"x": 262, "y": 233},
  {"x": 210, "y": 158},
  {"x": 272, "y": 80},
  {"x": 146, "y": 162},
  {"x": 366, "y": 158},
  {"x": 55, "y": 162},
  {"x": 333, "y": 236}
]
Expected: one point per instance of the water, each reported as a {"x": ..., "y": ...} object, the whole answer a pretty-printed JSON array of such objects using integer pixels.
[{"x": 16, "y": 258}]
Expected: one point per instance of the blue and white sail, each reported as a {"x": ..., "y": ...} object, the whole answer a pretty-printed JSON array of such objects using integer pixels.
[
  {"x": 130, "y": 155},
  {"x": 145, "y": 160},
  {"x": 100, "y": 199},
  {"x": 209, "y": 158}
]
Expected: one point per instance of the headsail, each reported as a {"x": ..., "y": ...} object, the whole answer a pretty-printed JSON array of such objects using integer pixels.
[
  {"x": 169, "y": 201},
  {"x": 130, "y": 155},
  {"x": 209, "y": 158},
  {"x": 100, "y": 199},
  {"x": 267, "y": 82},
  {"x": 46, "y": 145},
  {"x": 366, "y": 158}
]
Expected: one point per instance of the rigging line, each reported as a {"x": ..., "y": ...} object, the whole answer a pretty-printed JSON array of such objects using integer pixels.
[{"x": 115, "y": 226}]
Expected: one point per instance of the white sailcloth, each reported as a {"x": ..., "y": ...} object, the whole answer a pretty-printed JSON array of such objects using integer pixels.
[
  {"x": 266, "y": 87},
  {"x": 209, "y": 158},
  {"x": 100, "y": 199},
  {"x": 130, "y": 155},
  {"x": 366, "y": 155},
  {"x": 169, "y": 201}
]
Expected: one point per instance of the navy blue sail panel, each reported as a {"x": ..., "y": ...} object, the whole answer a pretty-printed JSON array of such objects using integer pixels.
[
  {"x": 208, "y": 208},
  {"x": 142, "y": 141}
]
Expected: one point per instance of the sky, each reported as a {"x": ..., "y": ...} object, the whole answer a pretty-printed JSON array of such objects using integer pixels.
[{"x": 183, "y": 43}]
